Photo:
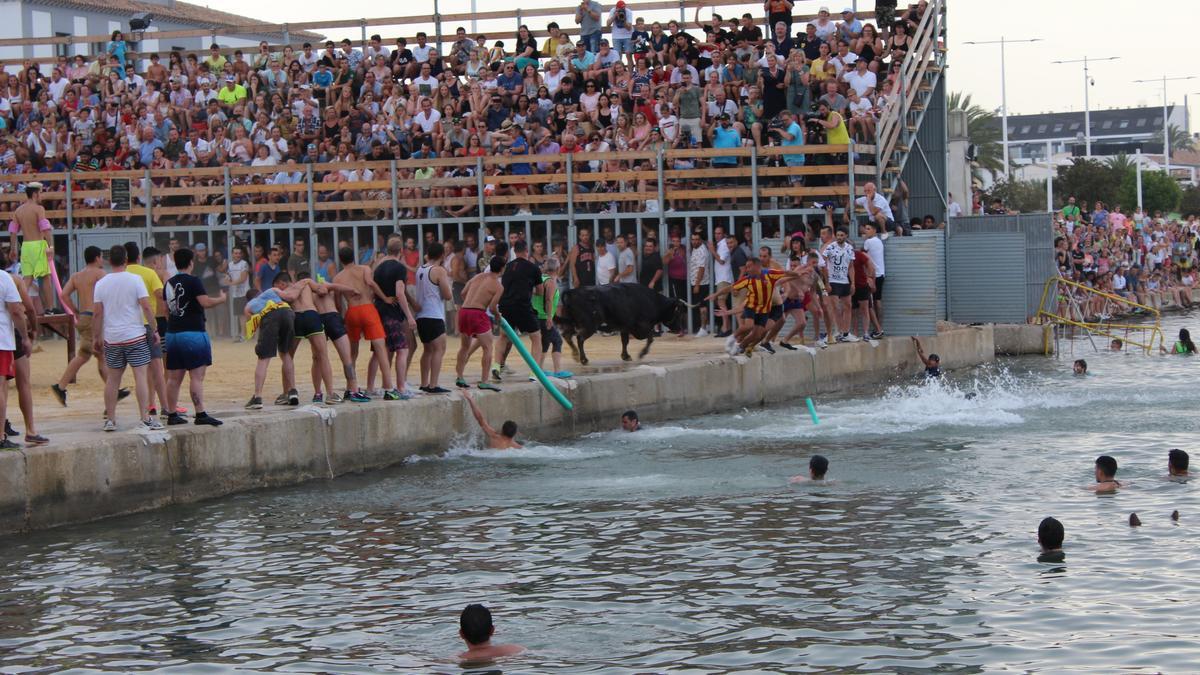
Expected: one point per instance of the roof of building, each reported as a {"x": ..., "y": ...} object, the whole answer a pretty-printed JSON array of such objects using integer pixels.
[
  {"x": 1118, "y": 122},
  {"x": 176, "y": 11}
]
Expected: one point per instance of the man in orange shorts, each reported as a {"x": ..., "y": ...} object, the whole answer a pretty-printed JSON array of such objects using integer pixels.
[{"x": 362, "y": 319}]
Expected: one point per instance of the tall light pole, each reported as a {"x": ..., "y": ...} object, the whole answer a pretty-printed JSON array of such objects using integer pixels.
[
  {"x": 1087, "y": 108},
  {"x": 1166, "y": 126},
  {"x": 1003, "y": 90}
]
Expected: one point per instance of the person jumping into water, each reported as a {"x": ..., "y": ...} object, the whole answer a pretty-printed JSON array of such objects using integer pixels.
[{"x": 497, "y": 440}]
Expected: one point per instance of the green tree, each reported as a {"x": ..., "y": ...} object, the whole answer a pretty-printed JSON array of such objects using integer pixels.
[
  {"x": 1087, "y": 180},
  {"x": 1180, "y": 139},
  {"x": 983, "y": 131},
  {"x": 1190, "y": 203},
  {"x": 1025, "y": 196},
  {"x": 1160, "y": 192}
]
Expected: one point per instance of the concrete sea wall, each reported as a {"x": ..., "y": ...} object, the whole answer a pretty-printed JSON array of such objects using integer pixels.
[{"x": 125, "y": 473}]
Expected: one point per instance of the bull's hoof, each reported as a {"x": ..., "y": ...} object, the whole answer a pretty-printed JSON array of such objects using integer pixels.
[
  {"x": 626, "y": 357},
  {"x": 583, "y": 362}
]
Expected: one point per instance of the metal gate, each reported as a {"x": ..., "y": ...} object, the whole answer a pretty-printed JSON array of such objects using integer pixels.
[
  {"x": 998, "y": 266},
  {"x": 104, "y": 240},
  {"x": 914, "y": 296}
]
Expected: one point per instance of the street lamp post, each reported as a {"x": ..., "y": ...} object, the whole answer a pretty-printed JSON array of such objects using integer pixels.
[
  {"x": 1003, "y": 90},
  {"x": 1087, "y": 108},
  {"x": 1166, "y": 119}
]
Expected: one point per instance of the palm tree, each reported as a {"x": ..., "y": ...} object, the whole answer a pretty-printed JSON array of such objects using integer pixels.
[
  {"x": 1180, "y": 139},
  {"x": 983, "y": 132},
  {"x": 1120, "y": 164}
]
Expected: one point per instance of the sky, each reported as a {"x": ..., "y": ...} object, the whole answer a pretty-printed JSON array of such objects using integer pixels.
[{"x": 1068, "y": 29}]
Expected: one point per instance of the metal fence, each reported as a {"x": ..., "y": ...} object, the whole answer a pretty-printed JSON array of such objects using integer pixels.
[
  {"x": 998, "y": 266},
  {"x": 914, "y": 297}
]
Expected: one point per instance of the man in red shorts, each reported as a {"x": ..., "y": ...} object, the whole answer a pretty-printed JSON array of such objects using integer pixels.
[
  {"x": 480, "y": 297},
  {"x": 362, "y": 319},
  {"x": 12, "y": 328}
]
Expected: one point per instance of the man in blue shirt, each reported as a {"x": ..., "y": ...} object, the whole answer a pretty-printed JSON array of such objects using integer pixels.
[
  {"x": 724, "y": 135},
  {"x": 146, "y": 149},
  {"x": 790, "y": 134},
  {"x": 266, "y": 273}
]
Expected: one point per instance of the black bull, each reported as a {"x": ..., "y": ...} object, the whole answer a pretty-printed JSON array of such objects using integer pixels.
[{"x": 628, "y": 309}]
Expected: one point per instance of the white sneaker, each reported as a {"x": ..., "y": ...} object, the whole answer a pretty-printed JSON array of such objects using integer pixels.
[
  {"x": 110, "y": 425},
  {"x": 851, "y": 337},
  {"x": 152, "y": 423},
  {"x": 701, "y": 333},
  {"x": 822, "y": 343},
  {"x": 730, "y": 344}
]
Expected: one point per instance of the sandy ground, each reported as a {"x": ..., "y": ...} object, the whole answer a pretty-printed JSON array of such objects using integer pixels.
[{"x": 229, "y": 382}]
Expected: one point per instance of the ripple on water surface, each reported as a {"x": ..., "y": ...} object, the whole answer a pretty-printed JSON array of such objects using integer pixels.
[{"x": 678, "y": 548}]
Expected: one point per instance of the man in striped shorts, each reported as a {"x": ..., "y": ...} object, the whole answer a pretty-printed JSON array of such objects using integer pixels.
[{"x": 122, "y": 311}]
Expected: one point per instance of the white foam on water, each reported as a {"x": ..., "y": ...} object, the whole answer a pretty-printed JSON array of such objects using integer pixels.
[{"x": 471, "y": 447}]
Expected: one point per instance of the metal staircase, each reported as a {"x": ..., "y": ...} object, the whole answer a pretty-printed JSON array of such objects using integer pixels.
[{"x": 901, "y": 118}]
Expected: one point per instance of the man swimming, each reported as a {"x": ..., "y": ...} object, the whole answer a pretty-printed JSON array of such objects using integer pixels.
[
  {"x": 476, "y": 629},
  {"x": 497, "y": 440},
  {"x": 817, "y": 467},
  {"x": 933, "y": 363},
  {"x": 1106, "y": 472},
  {"x": 1116, "y": 345},
  {"x": 1079, "y": 367},
  {"x": 1177, "y": 463},
  {"x": 630, "y": 422},
  {"x": 1050, "y": 537}
]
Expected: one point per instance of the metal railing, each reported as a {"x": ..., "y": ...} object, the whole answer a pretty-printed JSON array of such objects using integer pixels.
[{"x": 1078, "y": 317}]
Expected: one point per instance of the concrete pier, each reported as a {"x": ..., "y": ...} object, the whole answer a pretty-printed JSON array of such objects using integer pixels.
[{"x": 114, "y": 474}]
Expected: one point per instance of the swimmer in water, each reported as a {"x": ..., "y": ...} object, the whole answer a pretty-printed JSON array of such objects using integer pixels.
[
  {"x": 1080, "y": 367},
  {"x": 1177, "y": 463},
  {"x": 1106, "y": 472},
  {"x": 497, "y": 440},
  {"x": 476, "y": 629},
  {"x": 1116, "y": 345},
  {"x": 630, "y": 422},
  {"x": 817, "y": 466},
  {"x": 1183, "y": 346},
  {"x": 1050, "y": 537},
  {"x": 933, "y": 363}
]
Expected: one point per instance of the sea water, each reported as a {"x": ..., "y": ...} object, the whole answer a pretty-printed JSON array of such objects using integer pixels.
[{"x": 679, "y": 548}]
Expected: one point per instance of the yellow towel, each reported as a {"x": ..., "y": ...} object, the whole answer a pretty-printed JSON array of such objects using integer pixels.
[{"x": 255, "y": 319}]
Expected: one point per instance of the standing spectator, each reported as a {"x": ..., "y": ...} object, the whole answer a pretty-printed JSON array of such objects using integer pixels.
[
  {"x": 268, "y": 269},
  {"x": 620, "y": 20},
  {"x": 14, "y": 336},
  {"x": 606, "y": 264},
  {"x": 238, "y": 278},
  {"x": 122, "y": 313},
  {"x": 587, "y": 15},
  {"x": 700, "y": 278},
  {"x": 298, "y": 261},
  {"x": 626, "y": 267},
  {"x": 780, "y": 11},
  {"x": 189, "y": 351},
  {"x": 873, "y": 246},
  {"x": 652, "y": 265},
  {"x": 582, "y": 261},
  {"x": 723, "y": 273}
]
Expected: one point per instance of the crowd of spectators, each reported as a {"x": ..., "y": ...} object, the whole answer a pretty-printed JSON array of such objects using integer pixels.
[
  {"x": 608, "y": 80},
  {"x": 1149, "y": 259}
]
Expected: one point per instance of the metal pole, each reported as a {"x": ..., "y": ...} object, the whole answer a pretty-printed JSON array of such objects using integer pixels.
[
  {"x": 850, "y": 221},
  {"x": 395, "y": 195},
  {"x": 1049, "y": 178},
  {"x": 437, "y": 24},
  {"x": 364, "y": 35},
  {"x": 71, "y": 262},
  {"x": 228, "y": 198},
  {"x": 662, "y": 196},
  {"x": 571, "y": 192},
  {"x": 1166, "y": 131},
  {"x": 149, "y": 205},
  {"x": 1087, "y": 112},
  {"x": 479, "y": 185},
  {"x": 474, "y": 23},
  {"x": 754, "y": 182},
  {"x": 1137, "y": 157},
  {"x": 1003, "y": 109},
  {"x": 312, "y": 212}
]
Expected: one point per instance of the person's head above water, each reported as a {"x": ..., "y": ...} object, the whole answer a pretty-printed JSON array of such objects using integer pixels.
[
  {"x": 817, "y": 466},
  {"x": 508, "y": 429},
  {"x": 935, "y": 359},
  {"x": 1106, "y": 469},
  {"x": 1116, "y": 345},
  {"x": 629, "y": 421},
  {"x": 1177, "y": 462},
  {"x": 475, "y": 624},
  {"x": 1050, "y": 534},
  {"x": 1080, "y": 367}
]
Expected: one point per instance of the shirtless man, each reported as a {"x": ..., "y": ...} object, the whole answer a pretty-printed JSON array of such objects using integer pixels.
[
  {"x": 362, "y": 319},
  {"x": 38, "y": 246},
  {"x": 82, "y": 283},
  {"x": 481, "y": 296},
  {"x": 1177, "y": 463},
  {"x": 325, "y": 295},
  {"x": 797, "y": 294},
  {"x": 1106, "y": 475},
  {"x": 476, "y": 629},
  {"x": 497, "y": 440},
  {"x": 817, "y": 468},
  {"x": 308, "y": 326}
]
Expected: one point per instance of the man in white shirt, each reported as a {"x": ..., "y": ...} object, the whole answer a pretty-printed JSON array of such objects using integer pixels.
[
  {"x": 606, "y": 264},
  {"x": 626, "y": 262},
  {"x": 877, "y": 208},
  {"x": 723, "y": 274},
  {"x": 58, "y": 85},
  {"x": 839, "y": 255},
  {"x": 122, "y": 312},
  {"x": 954, "y": 209},
  {"x": 308, "y": 58},
  {"x": 873, "y": 245},
  {"x": 12, "y": 328},
  {"x": 700, "y": 278},
  {"x": 860, "y": 79}
]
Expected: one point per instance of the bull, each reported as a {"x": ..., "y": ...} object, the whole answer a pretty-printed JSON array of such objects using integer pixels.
[{"x": 628, "y": 309}]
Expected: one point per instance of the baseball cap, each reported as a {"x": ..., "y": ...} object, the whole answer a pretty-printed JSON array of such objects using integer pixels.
[
  {"x": 823, "y": 9},
  {"x": 201, "y": 247},
  {"x": 620, "y": 4},
  {"x": 848, "y": 10},
  {"x": 489, "y": 238}
]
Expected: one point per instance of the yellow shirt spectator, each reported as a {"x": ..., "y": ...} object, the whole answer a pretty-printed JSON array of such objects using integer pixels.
[
  {"x": 154, "y": 285},
  {"x": 229, "y": 96}
]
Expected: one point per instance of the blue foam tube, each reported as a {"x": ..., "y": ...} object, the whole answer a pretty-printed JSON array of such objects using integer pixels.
[
  {"x": 812, "y": 410},
  {"x": 535, "y": 368}
]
